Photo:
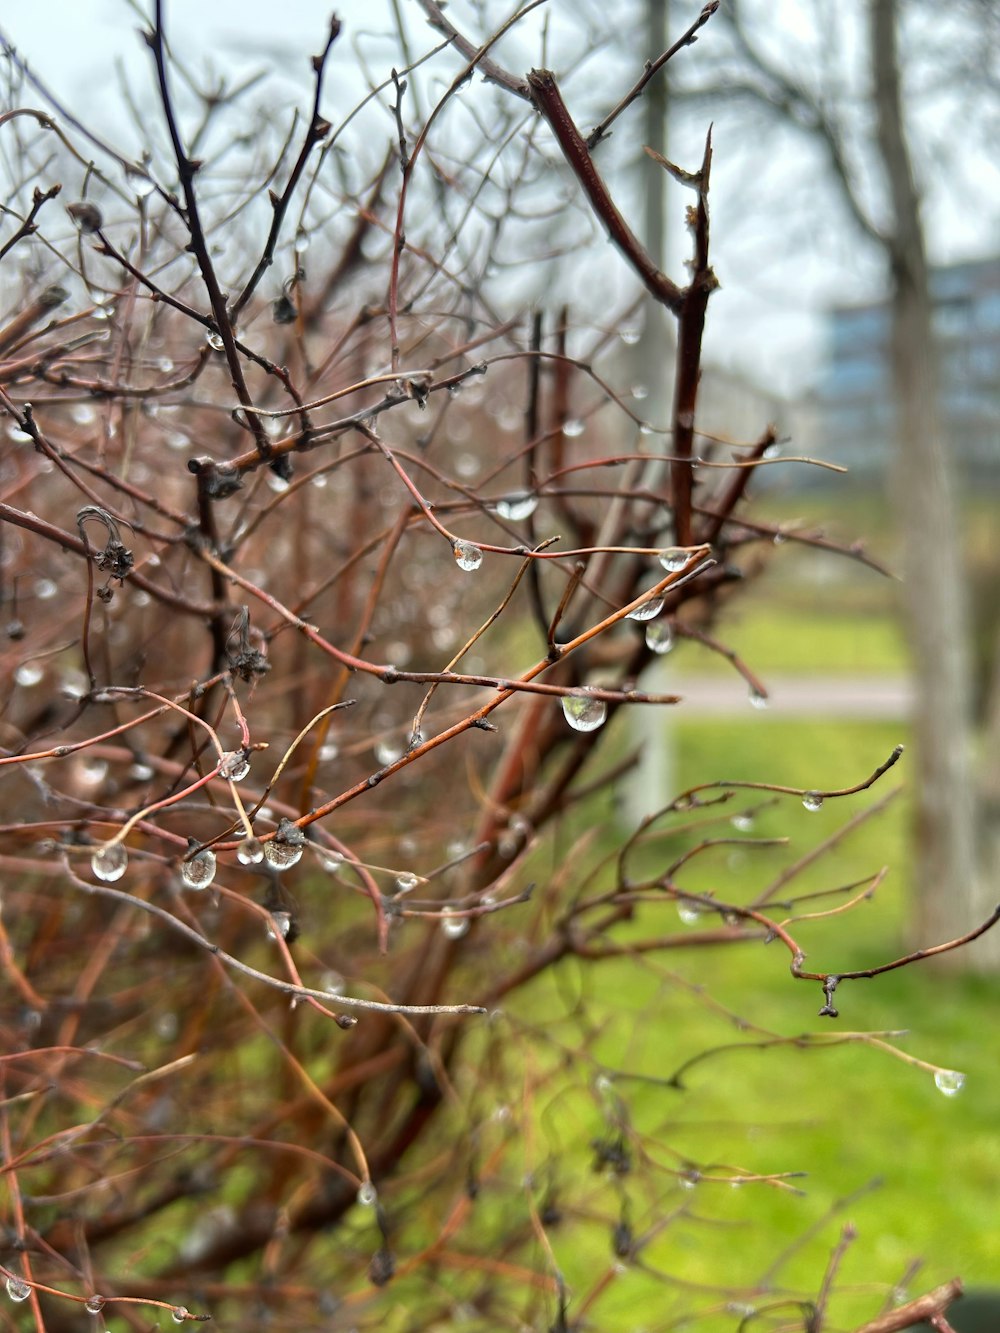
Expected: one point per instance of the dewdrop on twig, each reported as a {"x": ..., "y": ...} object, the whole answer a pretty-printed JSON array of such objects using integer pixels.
[{"x": 109, "y": 863}]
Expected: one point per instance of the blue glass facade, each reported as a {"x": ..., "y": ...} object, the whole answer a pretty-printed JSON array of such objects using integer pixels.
[{"x": 854, "y": 393}]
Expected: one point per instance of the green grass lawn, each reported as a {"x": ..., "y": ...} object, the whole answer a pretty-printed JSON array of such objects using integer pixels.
[
  {"x": 793, "y": 636},
  {"x": 919, "y": 1171}
]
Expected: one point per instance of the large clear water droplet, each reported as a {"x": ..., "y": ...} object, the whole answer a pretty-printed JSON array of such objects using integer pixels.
[
  {"x": 584, "y": 713},
  {"x": 673, "y": 559},
  {"x": 28, "y": 674},
  {"x": 467, "y": 556},
  {"x": 199, "y": 871},
  {"x": 519, "y": 505},
  {"x": 17, "y": 1290},
  {"x": 757, "y": 700},
  {"x": 235, "y": 765},
  {"x": 281, "y": 855},
  {"x": 812, "y": 801},
  {"x": 94, "y": 1304},
  {"x": 280, "y": 924},
  {"x": 659, "y": 637},
  {"x": 214, "y": 341},
  {"x": 334, "y": 983},
  {"x": 648, "y": 610},
  {"x": 387, "y": 752},
  {"x": 453, "y": 927},
  {"x": 406, "y": 882},
  {"x": 109, "y": 863},
  {"x": 367, "y": 1194},
  {"x": 949, "y": 1081},
  {"x": 250, "y": 852}
]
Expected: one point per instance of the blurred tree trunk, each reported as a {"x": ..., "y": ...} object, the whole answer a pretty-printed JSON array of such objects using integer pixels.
[{"x": 949, "y": 898}]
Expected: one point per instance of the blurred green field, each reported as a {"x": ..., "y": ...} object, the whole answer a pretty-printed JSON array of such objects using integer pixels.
[
  {"x": 915, "y": 1171},
  {"x": 583, "y": 1056},
  {"x": 849, "y": 1116}
]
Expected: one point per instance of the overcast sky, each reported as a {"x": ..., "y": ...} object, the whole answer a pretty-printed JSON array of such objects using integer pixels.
[{"x": 766, "y": 320}]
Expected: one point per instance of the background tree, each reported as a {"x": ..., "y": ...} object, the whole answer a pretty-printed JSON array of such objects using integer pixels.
[{"x": 859, "y": 113}]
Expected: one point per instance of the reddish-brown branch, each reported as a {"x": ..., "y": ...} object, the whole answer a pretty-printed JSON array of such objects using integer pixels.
[{"x": 546, "y": 96}]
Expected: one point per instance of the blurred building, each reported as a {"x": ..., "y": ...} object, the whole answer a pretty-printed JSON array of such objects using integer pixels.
[{"x": 851, "y": 410}]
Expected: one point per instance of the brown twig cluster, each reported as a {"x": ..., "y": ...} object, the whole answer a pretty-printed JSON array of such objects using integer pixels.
[{"x": 314, "y": 634}]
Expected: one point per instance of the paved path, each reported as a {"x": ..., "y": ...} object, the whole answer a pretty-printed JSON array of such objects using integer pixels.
[{"x": 889, "y": 697}]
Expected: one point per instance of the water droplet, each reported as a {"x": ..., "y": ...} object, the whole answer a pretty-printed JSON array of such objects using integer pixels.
[
  {"x": 689, "y": 913},
  {"x": 109, "y": 863},
  {"x": 673, "y": 559},
  {"x": 45, "y": 589},
  {"x": 812, "y": 801},
  {"x": 166, "y": 1026},
  {"x": 199, "y": 871},
  {"x": 779, "y": 539},
  {"x": 659, "y": 637},
  {"x": 467, "y": 556},
  {"x": 281, "y": 855},
  {"x": 235, "y": 765},
  {"x": 250, "y": 852},
  {"x": 742, "y": 823},
  {"x": 629, "y": 336},
  {"x": 333, "y": 983},
  {"x": 949, "y": 1081},
  {"x": 572, "y": 428},
  {"x": 141, "y": 772},
  {"x": 329, "y": 861},
  {"x": 367, "y": 1194},
  {"x": 94, "y": 1304},
  {"x": 387, "y": 752},
  {"x": 280, "y": 923},
  {"x": 165, "y": 364},
  {"x": 639, "y": 392},
  {"x": 28, "y": 674},
  {"x": 772, "y": 451},
  {"x": 645, "y": 428},
  {"x": 517, "y": 506},
  {"x": 328, "y": 752},
  {"x": 301, "y": 241},
  {"x": 17, "y": 1290},
  {"x": 757, "y": 700},
  {"x": 179, "y": 1314},
  {"x": 648, "y": 610},
  {"x": 406, "y": 883},
  {"x": 139, "y": 180},
  {"x": 583, "y": 713},
  {"x": 83, "y": 414},
  {"x": 453, "y": 927},
  {"x": 214, "y": 341}
]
